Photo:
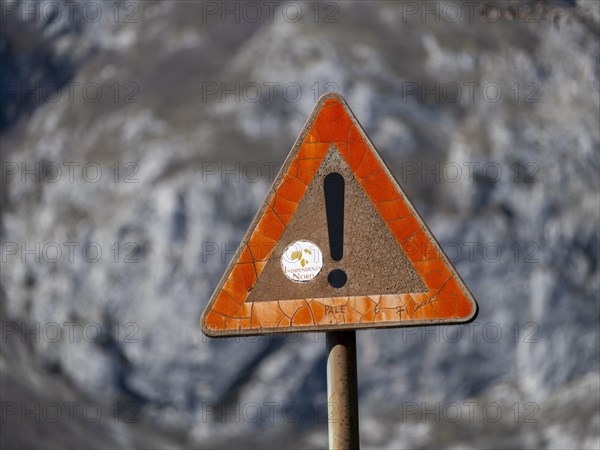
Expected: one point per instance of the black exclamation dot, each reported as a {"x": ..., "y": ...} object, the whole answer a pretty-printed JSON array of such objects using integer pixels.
[{"x": 334, "y": 207}]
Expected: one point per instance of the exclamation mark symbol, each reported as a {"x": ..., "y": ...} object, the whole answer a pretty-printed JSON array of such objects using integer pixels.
[{"x": 334, "y": 186}]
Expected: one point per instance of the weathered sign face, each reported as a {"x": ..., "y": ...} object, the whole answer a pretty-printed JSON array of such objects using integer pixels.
[{"x": 336, "y": 245}]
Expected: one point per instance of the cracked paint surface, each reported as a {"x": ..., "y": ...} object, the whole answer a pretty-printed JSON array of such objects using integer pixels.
[
  {"x": 372, "y": 259},
  {"x": 444, "y": 300}
]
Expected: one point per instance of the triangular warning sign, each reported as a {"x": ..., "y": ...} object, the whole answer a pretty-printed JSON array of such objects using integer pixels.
[{"x": 336, "y": 245}]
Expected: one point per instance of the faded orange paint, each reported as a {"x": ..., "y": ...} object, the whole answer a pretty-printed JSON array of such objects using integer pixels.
[{"x": 447, "y": 299}]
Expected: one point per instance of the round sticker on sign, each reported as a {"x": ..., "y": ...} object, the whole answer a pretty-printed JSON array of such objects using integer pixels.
[{"x": 302, "y": 261}]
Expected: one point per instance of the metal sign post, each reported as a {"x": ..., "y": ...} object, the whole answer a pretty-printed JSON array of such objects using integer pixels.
[
  {"x": 342, "y": 390},
  {"x": 383, "y": 269}
]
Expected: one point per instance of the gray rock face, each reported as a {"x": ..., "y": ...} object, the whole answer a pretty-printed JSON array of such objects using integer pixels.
[{"x": 125, "y": 193}]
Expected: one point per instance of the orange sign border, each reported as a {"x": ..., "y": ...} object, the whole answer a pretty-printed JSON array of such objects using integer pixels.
[{"x": 332, "y": 122}]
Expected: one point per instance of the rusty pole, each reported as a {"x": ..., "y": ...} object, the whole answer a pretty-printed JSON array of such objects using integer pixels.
[{"x": 342, "y": 391}]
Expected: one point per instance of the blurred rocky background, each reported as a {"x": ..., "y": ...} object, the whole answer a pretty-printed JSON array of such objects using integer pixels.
[{"x": 139, "y": 138}]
